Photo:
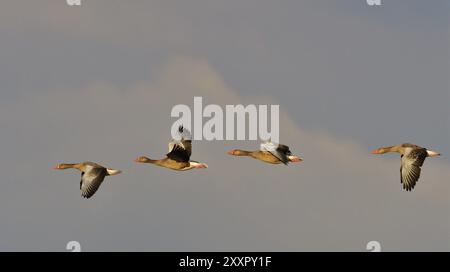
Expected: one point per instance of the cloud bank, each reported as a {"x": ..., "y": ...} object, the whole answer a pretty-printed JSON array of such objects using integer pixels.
[{"x": 341, "y": 197}]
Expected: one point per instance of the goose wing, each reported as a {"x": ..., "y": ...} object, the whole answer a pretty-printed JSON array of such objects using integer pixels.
[
  {"x": 180, "y": 148},
  {"x": 91, "y": 180},
  {"x": 410, "y": 169},
  {"x": 282, "y": 152}
]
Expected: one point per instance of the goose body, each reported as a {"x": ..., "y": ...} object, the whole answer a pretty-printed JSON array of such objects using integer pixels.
[
  {"x": 178, "y": 158},
  {"x": 270, "y": 153},
  {"x": 412, "y": 159},
  {"x": 92, "y": 175}
]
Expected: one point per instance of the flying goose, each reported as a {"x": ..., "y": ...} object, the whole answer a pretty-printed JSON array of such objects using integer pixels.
[
  {"x": 269, "y": 152},
  {"x": 179, "y": 155},
  {"x": 92, "y": 175},
  {"x": 413, "y": 157}
]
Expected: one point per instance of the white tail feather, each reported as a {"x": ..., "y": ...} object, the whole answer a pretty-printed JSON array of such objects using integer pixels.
[
  {"x": 198, "y": 165},
  {"x": 113, "y": 172},
  {"x": 432, "y": 153},
  {"x": 295, "y": 159}
]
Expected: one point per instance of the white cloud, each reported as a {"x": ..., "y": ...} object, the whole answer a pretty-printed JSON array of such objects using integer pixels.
[{"x": 341, "y": 197}]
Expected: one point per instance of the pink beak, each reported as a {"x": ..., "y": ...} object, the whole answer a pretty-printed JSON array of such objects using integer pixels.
[{"x": 296, "y": 159}]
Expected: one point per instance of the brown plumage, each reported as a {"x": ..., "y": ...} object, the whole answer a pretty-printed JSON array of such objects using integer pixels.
[
  {"x": 179, "y": 154},
  {"x": 92, "y": 175},
  {"x": 412, "y": 159},
  {"x": 269, "y": 153}
]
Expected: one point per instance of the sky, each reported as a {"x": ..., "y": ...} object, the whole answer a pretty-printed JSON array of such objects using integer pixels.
[{"x": 98, "y": 82}]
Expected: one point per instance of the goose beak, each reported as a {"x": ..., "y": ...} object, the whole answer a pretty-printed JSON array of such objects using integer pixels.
[
  {"x": 231, "y": 152},
  {"x": 56, "y": 167},
  {"x": 376, "y": 151}
]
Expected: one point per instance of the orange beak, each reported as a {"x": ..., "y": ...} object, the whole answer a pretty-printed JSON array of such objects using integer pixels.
[
  {"x": 56, "y": 167},
  {"x": 231, "y": 152},
  {"x": 376, "y": 151}
]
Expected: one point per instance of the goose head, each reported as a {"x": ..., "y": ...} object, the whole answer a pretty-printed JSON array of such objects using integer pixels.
[
  {"x": 382, "y": 150},
  {"x": 238, "y": 152},
  {"x": 142, "y": 159},
  {"x": 62, "y": 166}
]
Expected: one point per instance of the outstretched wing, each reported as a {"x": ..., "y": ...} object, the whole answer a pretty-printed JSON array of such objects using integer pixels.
[
  {"x": 280, "y": 151},
  {"x": 91, "y": 180},
  {"x": 180, "y": 149},
  {"x": 412, "y": 162}
]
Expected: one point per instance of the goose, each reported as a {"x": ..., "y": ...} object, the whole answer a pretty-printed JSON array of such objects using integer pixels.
[
  {"x": 412, "y": 159},
  {"x": 179, "y": 155},
  {"x": 92, "y": 175},
  {"x": 269, "y": 152}
]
